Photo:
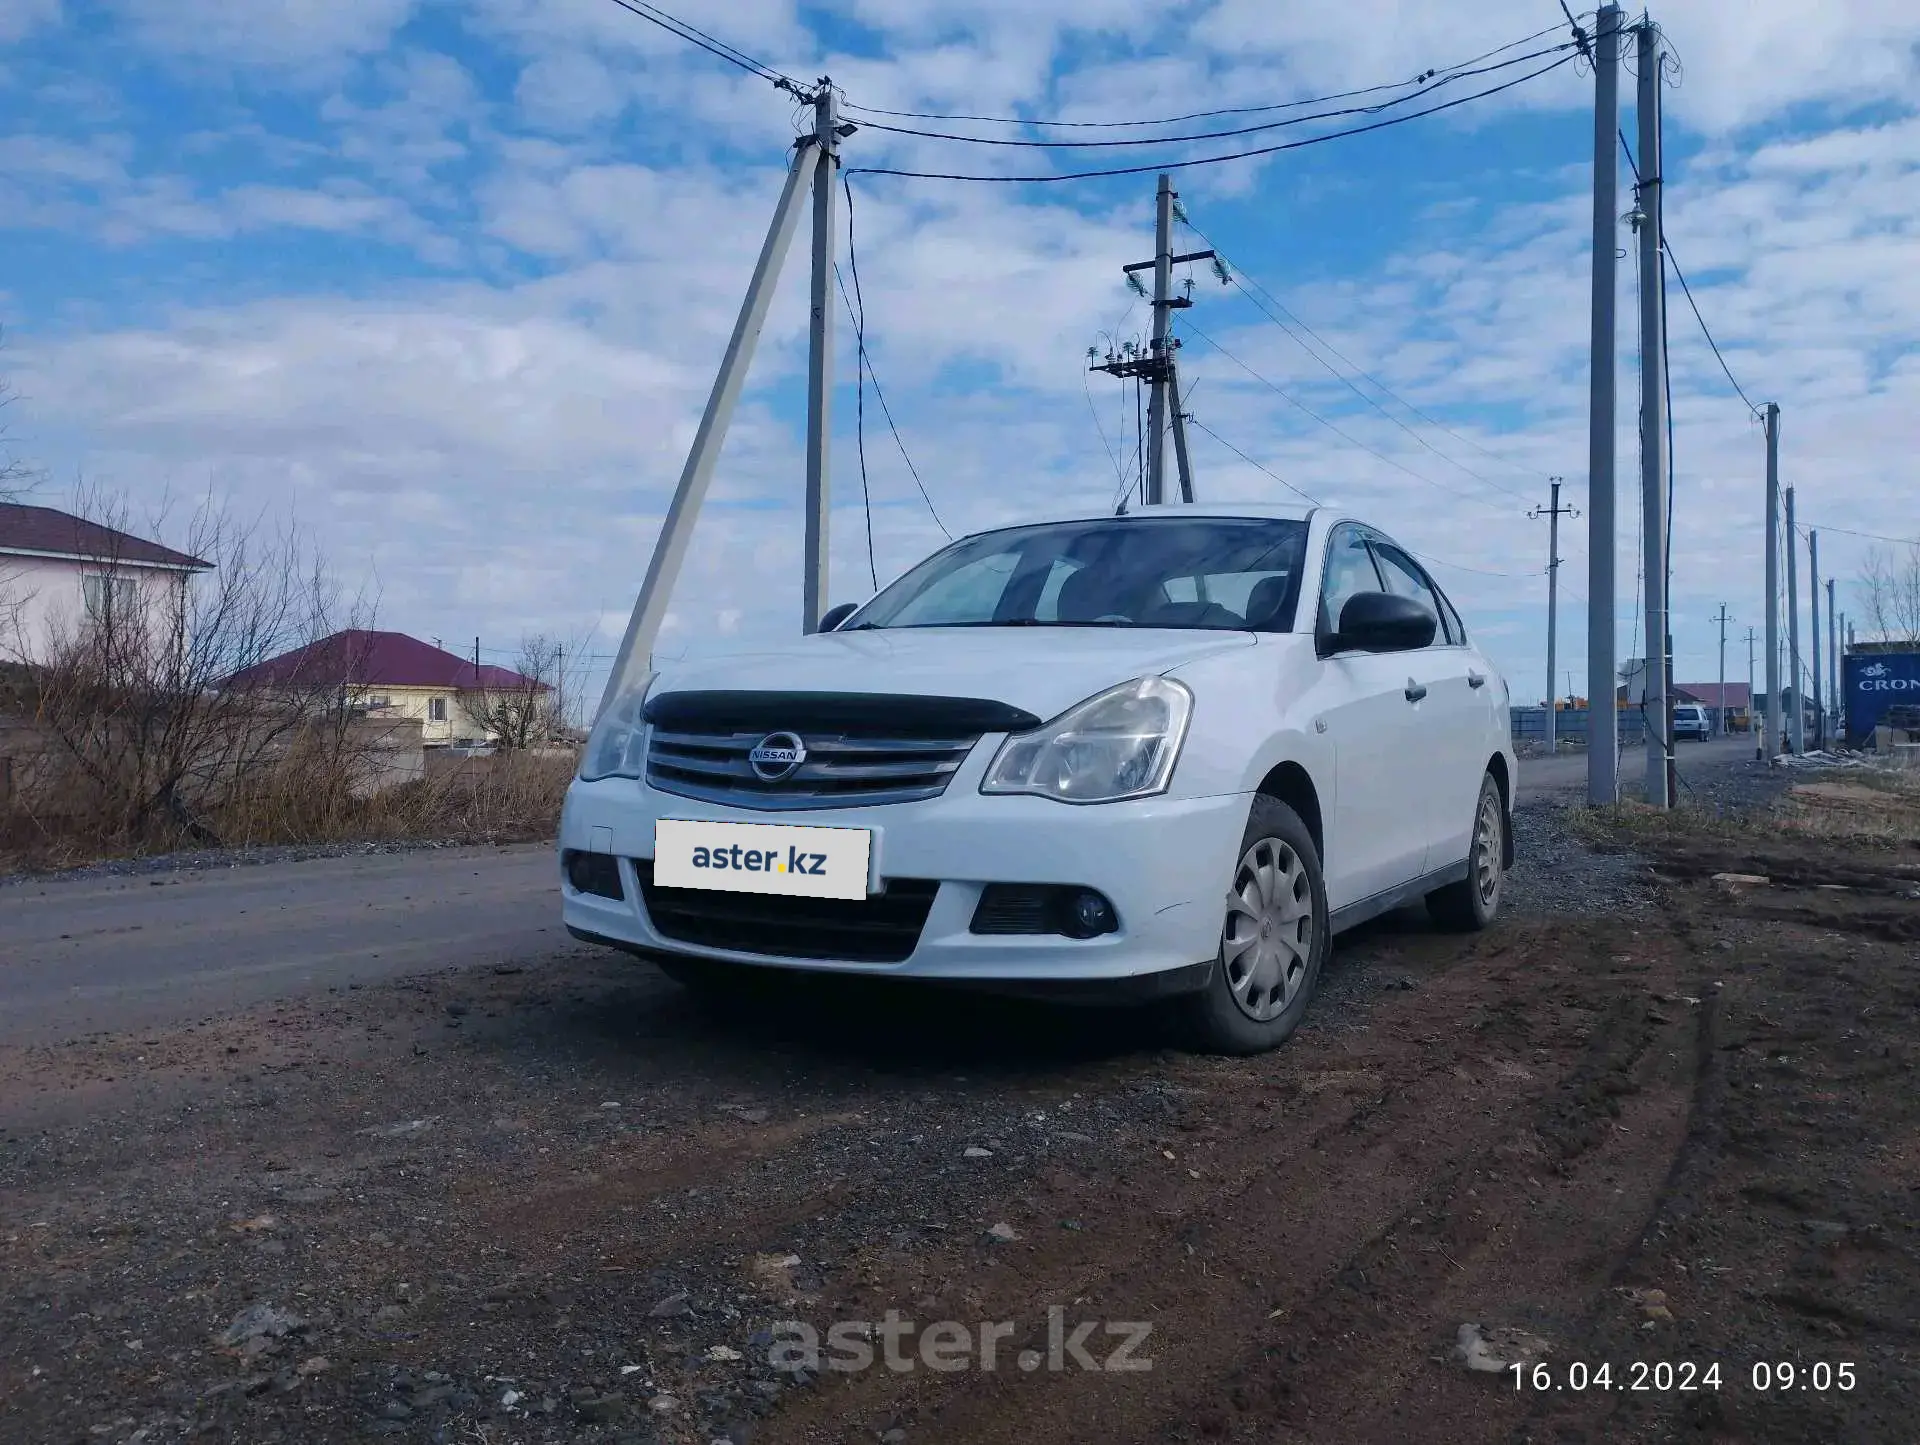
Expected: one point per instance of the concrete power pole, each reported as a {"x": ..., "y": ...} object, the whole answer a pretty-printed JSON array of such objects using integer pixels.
[
  {"x": 1797, "y": 724},
  {"x": 1720, "y": 715},
  {"x": 635, "y": 658},
  {"x": 1553, "y": 513},
  {"x": 1752, "y": 720},
  {"x": 1653, "y": 414},
  {"x": 1772, "y": 747},
  {"x": 826, "y": 140},
  {"x": 1833, "y": 666},
  {"x": 1157, "y": 366},
  {"x": 1160, "y": 353},
  {"x": 1819, "y": 678},
  {"x": 1603, "y": 721}
]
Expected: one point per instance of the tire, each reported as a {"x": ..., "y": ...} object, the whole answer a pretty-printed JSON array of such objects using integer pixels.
[
  {"x": 1471, "y": 904},
  {"x": 1259, "y": 991}
]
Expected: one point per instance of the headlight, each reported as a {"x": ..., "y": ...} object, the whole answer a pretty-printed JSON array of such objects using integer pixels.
[
  {"x": 1121, "y": 744},
  {"x": 618, "y": 745}
]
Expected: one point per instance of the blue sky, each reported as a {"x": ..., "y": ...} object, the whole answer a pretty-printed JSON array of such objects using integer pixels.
[{"x": 445, "y": 285}]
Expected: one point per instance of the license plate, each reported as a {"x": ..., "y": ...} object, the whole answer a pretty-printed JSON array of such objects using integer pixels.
[{"x": 785, "y": 858}]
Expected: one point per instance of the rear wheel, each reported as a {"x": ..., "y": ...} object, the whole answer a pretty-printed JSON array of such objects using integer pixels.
[
  {"x": 1273, "y": 941},
  {"x": 1471, "y": 904}
]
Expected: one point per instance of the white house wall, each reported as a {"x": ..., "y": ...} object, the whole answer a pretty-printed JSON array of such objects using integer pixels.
[{"x": 42, "y": 599}]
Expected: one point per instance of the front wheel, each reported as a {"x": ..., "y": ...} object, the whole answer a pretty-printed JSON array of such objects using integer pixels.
[
  {"x": 1471, "y": 904},
  {"x": 1273, "y": 941}
]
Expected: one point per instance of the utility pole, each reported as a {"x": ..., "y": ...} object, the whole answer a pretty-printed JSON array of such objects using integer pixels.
[
  {"x": 1797, "y": 724},
  {"x": 1162, "y": 318},
  {"x": 1653, "y": 417},
  {"x": 1753, "y": 720},
  {"x": 1179, "y": 430},
  {"x": 1720, "y": 716},
  {"x": 632, "y": 662},
  {"x": 1813, "y": 600},
  {"x": 826, "y": 140},
  {"x": 1833, "y": 667},
  {"x": 1553, "y": 514},
  {"x": 1774, "y": 742},
  {"x": 1156, "y": 365},
  {"x": 1603, "y": 721}
]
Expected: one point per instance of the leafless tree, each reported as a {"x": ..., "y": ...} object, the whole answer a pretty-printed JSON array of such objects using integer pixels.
[
  {"x": 15, "y": 476},
  {"x": 153, "y": 697},
  {"x": 1889, "y": 593},
  {"x": 530, "y": 712}
]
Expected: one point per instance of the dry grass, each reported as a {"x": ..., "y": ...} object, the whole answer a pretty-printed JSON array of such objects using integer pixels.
[
  {"x": 507, "y": 798},
  {"x": 1870, "y": 808}
]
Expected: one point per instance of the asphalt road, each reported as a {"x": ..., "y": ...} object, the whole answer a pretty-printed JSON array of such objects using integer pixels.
[
  {"x": 1565, "y": 776},
  {"x": 80, "y": 955}
]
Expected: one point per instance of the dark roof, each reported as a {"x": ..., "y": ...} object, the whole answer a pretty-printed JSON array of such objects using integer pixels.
[
  {"x": 362, "y": 658},
  {"x": 44, "y": 529},
  {"x": 1709, "y": 693}
]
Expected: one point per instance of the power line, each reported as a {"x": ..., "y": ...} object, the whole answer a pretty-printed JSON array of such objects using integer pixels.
[
  {"x": 1870, "y": 536},
  {"x": 1687, "y": 290},
  {"x": 1240, "y": 278},
  {"x": 1170, "y": 165},
  {"x": 1427, "y": 88},
  {"x": 1198, "y": 114},
  {"x": 866, "y": 362},
  {"x": 1370, "y": 401},
  {"x": 1334, "y": 427},
  {"x": 679, "y": 28},
  {"x": 1255, "y": 465}
]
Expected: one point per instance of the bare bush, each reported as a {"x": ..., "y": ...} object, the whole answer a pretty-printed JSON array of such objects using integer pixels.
[
  {"x": 529, "y": 712},
  {"x": 150, "y": 741},
  {"x": 1889, "y": 591}
]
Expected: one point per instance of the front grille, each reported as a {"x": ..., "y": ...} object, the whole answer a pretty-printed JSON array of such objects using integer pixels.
[
  {"x": 884, "y": 928},
  {"x": 840, "y": 771},
  {"x": 862, "y": 748}
]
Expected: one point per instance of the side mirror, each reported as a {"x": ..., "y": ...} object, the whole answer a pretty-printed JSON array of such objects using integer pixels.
[
  {"x": 837, "y": 615},
  {"x": 1382, "y": 622}
]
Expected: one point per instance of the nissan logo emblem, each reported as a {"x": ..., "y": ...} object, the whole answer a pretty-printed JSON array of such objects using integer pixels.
[{"x": 777, "y": 757}]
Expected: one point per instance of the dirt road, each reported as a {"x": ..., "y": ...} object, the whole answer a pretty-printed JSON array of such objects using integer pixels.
[{"x": 548, "y": 1199}]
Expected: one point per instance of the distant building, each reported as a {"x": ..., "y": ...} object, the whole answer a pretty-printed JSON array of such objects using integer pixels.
[
  {"x": 60, "y": 573},
  {"x": 393, "y": 675},
  {"x": 1734, "y": 699}
]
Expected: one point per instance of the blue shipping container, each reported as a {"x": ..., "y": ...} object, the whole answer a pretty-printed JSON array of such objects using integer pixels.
[{"x": 1876, "y": 682}]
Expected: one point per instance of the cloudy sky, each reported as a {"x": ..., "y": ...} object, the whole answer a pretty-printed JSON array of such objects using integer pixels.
[{"x": 447, "y": 284}]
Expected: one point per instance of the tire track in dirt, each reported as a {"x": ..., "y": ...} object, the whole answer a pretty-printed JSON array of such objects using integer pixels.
[{"x": 1323, "y": 1195}]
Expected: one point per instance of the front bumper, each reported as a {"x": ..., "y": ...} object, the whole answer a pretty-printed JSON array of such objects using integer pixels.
[{"x": 1163, "y": 862}]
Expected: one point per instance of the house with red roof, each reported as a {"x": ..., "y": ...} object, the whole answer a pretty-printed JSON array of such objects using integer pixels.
[
  {"x": 392, "y": 675},
  {"x": 59, "y": 573}
]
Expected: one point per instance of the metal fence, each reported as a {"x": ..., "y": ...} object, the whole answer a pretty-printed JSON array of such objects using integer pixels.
[{"x": 1530, "y": 725}]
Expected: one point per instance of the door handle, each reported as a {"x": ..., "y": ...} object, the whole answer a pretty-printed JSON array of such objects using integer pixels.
[
  {"x": 1415, "y": 691},
  {"x": 1476, "y": 679}
]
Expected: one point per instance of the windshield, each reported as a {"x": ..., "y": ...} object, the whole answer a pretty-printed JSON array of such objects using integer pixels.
[{"x": 1219, "y": 573}]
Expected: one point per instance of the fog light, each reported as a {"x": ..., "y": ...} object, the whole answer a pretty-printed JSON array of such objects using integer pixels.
[
  {"x": 594, "y": 873},
  {"x": 1089, "y": 914}
]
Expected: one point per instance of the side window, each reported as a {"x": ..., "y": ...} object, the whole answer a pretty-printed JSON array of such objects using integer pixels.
[
  {"x": 1405, "y": 579},
  {"x": 1349, "y": 570}
]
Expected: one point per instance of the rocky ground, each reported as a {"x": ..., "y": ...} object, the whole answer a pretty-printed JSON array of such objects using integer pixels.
[{"x": 1653, "y": 1123}]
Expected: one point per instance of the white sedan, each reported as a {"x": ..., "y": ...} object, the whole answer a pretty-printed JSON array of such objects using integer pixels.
[{"x": 1164, "y": 755}]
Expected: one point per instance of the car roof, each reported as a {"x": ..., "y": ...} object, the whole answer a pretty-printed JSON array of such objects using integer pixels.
[{"x": 1254, "y": 511}]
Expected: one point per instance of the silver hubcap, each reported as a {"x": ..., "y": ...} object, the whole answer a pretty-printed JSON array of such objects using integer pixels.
[
  {"x": 1486, "y": 849},
  {"x": 1269, "y": 932}
]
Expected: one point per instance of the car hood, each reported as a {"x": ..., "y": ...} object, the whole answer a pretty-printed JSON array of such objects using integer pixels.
[{"x": 1044, "y": 670}]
